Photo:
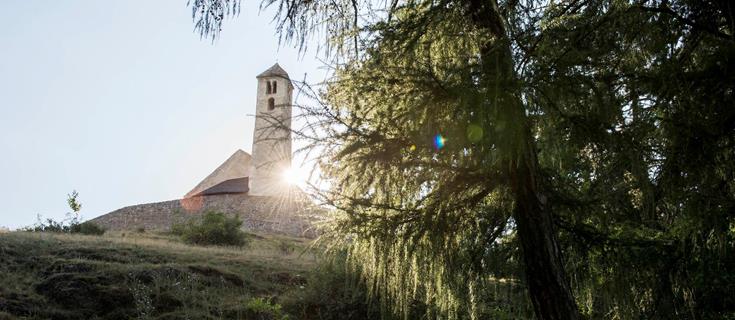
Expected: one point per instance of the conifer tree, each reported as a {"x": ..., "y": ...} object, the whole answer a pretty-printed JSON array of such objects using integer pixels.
[{"x": 584, "y": 149}]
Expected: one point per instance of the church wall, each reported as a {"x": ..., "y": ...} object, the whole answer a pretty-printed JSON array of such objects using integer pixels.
[{"x": 259, "y": 214}]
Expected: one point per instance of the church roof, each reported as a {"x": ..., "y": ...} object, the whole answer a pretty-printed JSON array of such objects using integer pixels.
[
  {"x": 232, "y": 186},
  {"x": 238, "y": 165},
  {"x": 274, "y": 71}
]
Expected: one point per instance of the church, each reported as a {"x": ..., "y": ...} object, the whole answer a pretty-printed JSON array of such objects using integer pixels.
[{"x": 252, "y": 187}]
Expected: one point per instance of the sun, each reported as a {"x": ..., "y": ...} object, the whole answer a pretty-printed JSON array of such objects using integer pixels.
[{"x": 294, "y": 176}]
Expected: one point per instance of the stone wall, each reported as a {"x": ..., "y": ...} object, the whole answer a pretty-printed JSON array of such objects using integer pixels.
[{"x": 260, "y": 214}]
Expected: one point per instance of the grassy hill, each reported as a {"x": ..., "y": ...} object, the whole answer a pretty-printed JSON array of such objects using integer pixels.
[{"x": 155, "y": 276}]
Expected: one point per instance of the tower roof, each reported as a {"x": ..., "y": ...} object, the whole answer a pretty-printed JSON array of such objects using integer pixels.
[{"x": 274, "y": 71}]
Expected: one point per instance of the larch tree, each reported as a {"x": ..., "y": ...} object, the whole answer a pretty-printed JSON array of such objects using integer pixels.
[{"x": 584, "y": 149}]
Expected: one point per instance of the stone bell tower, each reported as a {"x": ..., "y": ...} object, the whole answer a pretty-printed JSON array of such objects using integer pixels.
[{"x": 272, "y": 136}]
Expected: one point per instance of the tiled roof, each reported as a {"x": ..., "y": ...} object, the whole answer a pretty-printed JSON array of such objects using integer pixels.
[
  {"x": 236, "y": 166},
  {"x": 232, "y": 186},
  {"x": 274, "y": 71}
]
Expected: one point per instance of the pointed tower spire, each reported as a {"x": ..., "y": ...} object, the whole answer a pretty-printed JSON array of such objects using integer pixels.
[{"x": 274, "y": 71}]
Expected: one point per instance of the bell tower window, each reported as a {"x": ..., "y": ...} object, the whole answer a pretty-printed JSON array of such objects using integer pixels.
[
  {"x": 268, "y": 87},
  {"x": 275, "y": 86},
  {"x": 271, "y": 104}
]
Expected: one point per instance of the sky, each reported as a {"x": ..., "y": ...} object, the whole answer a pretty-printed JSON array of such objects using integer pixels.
[{"x": 123, "y": 102}]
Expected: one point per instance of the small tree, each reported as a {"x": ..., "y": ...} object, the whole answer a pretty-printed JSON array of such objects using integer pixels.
[
  {"x": 75, "y": 206},
  {"x": 74, "y": 224}
]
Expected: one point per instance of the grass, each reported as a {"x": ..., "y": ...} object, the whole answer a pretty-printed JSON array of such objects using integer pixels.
[{"x": 145, "y": 276}]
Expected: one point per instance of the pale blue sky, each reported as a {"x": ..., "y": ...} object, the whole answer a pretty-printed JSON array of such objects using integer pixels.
[{"x": 122, "y": 101}]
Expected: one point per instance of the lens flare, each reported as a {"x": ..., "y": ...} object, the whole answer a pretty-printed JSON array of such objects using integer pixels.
[
  {"x": 474, "y": 133},
  {"x": 439, "y": 141},
  {"x": 294, "y": 176}
]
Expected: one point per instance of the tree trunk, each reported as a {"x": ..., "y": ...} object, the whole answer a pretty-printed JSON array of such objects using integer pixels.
[
  {"x": 547, "y": 283},
  {"x": 545, "y": 276}
]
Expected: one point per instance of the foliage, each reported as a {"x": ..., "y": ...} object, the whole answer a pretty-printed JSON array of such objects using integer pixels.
[
  {"x": 178, "y": 229},
  {"x": 214, "y": 228},
  {"x": 88, "y": 228},
  {"x": 72, "y": 223},
  {"x": 73, "y": 202},
  {"x": 588, "y": 145},
  {"x": 263, "y": 309},
  {"x": 51, "y": 225},
  {"x": 332, "y": 291}
]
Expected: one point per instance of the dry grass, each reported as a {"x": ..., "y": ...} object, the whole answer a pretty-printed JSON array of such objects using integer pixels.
[
  {"x": 147, "y": 275},
  {"x": 262, "y": 248}
]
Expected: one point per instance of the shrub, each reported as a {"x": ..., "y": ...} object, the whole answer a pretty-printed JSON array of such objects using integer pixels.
[
  {"x": 72, "y": 222},
  {"x": 178, "y": 229},
  {"x": 215, "y": 228},
  {"x": 50, "y": 225},
  {"x": 263, "y": 309},
  {"x": 88, "y": 228},
  {"x": 333, "y": 292}
]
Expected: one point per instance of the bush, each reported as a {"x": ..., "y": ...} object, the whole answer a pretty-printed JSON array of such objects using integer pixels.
[
  {"x": 262, "y": 309},
  {"x": 50, "y": 225},
  {"x": 178, "y": 229},
  {"x": 88, "y": 228},
  {"x": 333, "y": 292},
  {"x": 215, "y": 228},
  {"x": 72, "y": 222}
]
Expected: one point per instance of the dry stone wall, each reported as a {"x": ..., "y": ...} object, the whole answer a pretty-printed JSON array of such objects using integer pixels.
[{"x": 261, "y": 214}]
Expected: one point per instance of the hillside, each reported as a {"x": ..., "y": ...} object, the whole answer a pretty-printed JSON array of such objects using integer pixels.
[{"x": 147, "y": 276}]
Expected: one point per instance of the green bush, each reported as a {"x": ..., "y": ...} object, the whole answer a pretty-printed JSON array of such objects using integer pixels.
[
  {"x": 50, "y": 225},
  {"x": 215, "y": 228},
  {"x": 88, "y": 228},
  {"x": 332, "y": 291},
  {"x": 72, "y": 222},
  {"x": 178, "y": 229},
  {"x": 263, "y": 309}
]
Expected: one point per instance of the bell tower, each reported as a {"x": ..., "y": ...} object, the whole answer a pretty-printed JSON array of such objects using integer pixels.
[{"x": 272, "y": 136}]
